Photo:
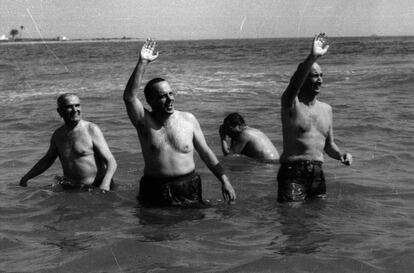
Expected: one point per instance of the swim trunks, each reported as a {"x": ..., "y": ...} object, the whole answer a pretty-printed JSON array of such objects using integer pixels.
[
  {"x": 299, "y": 181},
  {"x": 180, "y": 190},
  {"x": 65, "y": 184}
]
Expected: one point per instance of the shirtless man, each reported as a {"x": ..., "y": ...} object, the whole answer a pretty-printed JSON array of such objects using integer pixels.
[
  {"x": 168, "y": 138},
  {"x": 246, "y": 140},
  {"x": 81, "y": 147},
  {"x": 307, "y": 131}
]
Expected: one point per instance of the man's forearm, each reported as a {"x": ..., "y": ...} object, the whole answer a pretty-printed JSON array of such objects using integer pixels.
[
  {"x": 131, "y": 90},
  {"x": 110, "y": 171},
  {"x": 333, "y": 151},
  {"x": 41, "y": 166},
  {"x": 225, "y": 147},
  {"x": 218, "y": 171},
  {"x": 297, "y": 80},
  {"x": 213, "y": 164}
]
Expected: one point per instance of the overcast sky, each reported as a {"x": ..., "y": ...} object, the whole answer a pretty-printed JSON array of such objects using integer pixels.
[{"x": 205, "y": 19}]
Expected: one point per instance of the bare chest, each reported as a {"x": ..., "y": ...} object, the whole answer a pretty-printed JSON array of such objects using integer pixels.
[
  {"x": 76, "y": 144},
  {"x": 175, "y": 136},
  {"x": 304, "y": 119}
]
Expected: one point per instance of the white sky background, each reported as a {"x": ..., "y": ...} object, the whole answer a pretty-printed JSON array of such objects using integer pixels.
[{"x": 205, "y": 19}]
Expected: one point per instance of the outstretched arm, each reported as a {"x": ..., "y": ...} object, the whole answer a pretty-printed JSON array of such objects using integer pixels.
[
  {"x": 212, "y": 162},
  {"x": 101, "y": 148},
  {"x": 319, "y": 48},
  {"x": 42, "y": 165},
  {"x": 134, "y": 106}
]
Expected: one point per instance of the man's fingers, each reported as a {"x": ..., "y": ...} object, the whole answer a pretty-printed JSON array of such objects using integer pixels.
[
  {"x": 224, "y": 195},
  {"x": 152, "y": 45}
]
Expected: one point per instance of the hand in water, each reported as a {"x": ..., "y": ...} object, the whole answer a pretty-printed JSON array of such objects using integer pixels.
[{"x": 229, "y": 194}]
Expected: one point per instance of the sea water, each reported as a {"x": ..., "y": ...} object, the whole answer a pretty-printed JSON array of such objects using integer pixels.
[{"x": 365, "y": 225}]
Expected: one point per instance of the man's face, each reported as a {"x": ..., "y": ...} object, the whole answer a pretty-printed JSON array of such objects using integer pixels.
[
  {"x": 70, "y": 109},
  {"x": 314, "y": 80},
  {"x": 162, "y": 98},
  {"x": 232, "y": 131}
]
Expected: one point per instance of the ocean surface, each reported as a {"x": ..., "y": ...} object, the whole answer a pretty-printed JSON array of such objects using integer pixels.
[{"x": 365, "y": 225}]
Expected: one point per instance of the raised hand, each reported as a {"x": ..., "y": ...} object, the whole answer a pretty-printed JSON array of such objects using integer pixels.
[
  {"x": 320, "y": 45},
  {"x": 147, "y": 51}
]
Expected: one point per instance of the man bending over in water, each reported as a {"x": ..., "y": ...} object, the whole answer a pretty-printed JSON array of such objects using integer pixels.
[
  {"x": 81, "y": 147},
  {"x": 246, "y": 140},
  {"x": 307, "y": 131},
  {"x": 168, "y": 138}
]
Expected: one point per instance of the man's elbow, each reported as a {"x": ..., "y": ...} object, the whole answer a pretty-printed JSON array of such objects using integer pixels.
[
  {"x": 112, "y": 163},
  {"x": 128, "y": 98}
]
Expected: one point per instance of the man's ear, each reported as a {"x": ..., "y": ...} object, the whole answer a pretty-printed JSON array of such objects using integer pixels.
[
  {"x": 149, "y": 100},
  {"x": 58, "y": 110}
]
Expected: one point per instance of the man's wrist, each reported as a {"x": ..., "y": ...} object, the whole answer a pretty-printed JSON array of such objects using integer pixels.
[
  {"x": 225, "y": 180},
  {"x": 313, "y": 57},
  {"x": 143, "y": 61}
]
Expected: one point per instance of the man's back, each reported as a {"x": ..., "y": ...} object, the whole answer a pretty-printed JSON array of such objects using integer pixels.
[{"x": 258, "y": 145}]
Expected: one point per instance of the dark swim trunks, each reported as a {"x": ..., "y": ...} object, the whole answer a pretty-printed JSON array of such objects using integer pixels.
[
  {"x": 181, "y": 190},
  {"x": 63, "y": 183},
  {"x": 299, "y": 181}
]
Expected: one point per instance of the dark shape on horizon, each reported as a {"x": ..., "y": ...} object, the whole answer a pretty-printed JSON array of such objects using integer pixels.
[
  {"x": 14, "y": 33},
  {"x": 21, "y": 32}
]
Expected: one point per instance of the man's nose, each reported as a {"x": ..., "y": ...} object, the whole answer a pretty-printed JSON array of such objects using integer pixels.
[{"x": 319, "y": 79}]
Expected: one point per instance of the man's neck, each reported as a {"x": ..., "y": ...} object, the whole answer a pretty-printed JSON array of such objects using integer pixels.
[
  {"x": 162, "y": 117},
  {"x": 70, "y": 125},
  {"x": 308, "y": 98}
]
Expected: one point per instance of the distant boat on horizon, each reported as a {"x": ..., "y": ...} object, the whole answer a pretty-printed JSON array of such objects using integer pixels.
[{"x": 62, "y": 38}]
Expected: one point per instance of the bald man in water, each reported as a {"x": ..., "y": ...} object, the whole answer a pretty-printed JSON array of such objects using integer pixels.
[
  {"x": 80, "y": 145},
  {"x": 307, "y": 131},
  {"x": 168, "y": 139}
]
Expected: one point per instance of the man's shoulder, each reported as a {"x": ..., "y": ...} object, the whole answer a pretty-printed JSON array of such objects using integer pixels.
[
  {"x": 58, "y": 132},
  {"x": 185, "y": 115},
  {"x": 288, "y": 105},
  {"x": 324, "y": 105},
  {"x": 250, "y": 131},
  {"x": 253, "y": 133},
  {"x": 84, "y": 124},
  {"x": 91, "y": 127}
]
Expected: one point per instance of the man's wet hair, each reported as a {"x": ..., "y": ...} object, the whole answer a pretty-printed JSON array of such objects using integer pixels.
[
  {"x": 62, "y": 98},
  {"x": 234, "y": 119},
  {"x": 149, "y": 87}
]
